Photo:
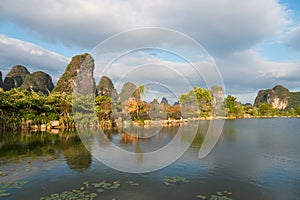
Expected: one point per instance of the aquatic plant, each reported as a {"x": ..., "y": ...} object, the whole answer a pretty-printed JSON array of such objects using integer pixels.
[
  {"x": 4, "y": 187},
  {"x": 216, "y": 196},
  {"x": 174, "y": 180}
]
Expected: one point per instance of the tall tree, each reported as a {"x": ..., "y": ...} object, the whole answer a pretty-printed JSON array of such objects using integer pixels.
[{"x": 230, "y": 104}]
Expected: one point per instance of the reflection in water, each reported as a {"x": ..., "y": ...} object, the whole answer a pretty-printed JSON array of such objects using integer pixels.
[
  {"x": 68, "y": 146},
  {"x": 128, "y": 138},
  {"x": 140, "y": 151},
  {"x": 15, "y": 147},
  {"x": 254, "y": 159},
  {"x": 75, "y": 153}
]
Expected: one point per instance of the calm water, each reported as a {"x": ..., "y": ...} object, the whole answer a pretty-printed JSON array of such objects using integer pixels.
[{"x": 253, "y": 159}]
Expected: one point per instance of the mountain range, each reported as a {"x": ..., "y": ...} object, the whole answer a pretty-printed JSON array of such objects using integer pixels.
[{"x": 83, "y": 66}]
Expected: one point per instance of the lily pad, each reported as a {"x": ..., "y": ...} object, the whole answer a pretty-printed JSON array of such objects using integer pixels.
[
  {"x": 220, "y": 193},
  {"x": 174, "y": 180},
  {"x": 100, "y": 190},
  {"x": 201, "y": 196},
  {"x": 4, "y": 194},
  {"x": 74, "y": 194}
]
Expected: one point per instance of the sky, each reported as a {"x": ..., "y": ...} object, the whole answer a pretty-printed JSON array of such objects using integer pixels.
[{"x": 254, "y": 44}]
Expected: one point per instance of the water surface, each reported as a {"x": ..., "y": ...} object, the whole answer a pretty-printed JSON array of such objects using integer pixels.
[{"x": 253, "y": 159}]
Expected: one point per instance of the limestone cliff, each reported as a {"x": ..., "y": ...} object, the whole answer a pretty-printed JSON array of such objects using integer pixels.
[
  {"x": 38, "y": 81},
  {"x": 129, "y": 90},
  {"x": 106, "y": 88},
  {"x": 79, "y": 74},
  {"x": 15, "y": 77},
  {"x": 279, "y": 96}
]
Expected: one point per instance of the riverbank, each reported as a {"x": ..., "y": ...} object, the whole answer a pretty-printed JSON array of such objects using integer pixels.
[{"x": 55, "y": 126}]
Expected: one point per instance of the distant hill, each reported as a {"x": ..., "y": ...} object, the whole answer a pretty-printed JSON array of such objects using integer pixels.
[
  {"x": 164, "y": 100},
  {"x": 38, "y": 81},
  {"x": 279, "y": 96},
  {"x": 20, "y": 77},
  {"x": 15, "y": 77},
  {"x": 82, "y": 65},
  {"x": 129, "y": 90},
  {"x": 106, "y": 88}
]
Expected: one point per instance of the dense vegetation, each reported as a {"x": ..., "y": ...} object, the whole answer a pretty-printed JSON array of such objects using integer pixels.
[
  {"x": 17, "y": 107},
  {"x": 30, "y": 100}
]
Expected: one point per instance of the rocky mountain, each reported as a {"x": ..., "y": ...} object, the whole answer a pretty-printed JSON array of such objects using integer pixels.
[
  {"x": 15, "y": 77},
  {"x": 1, "y": 82},
  {"x": 129, "y": 90},
  {"x": 106, "y": 88},
  {"x": 79, "y": 73},
  {"x": 164, "y": 100},
  {"x": 38, "y": 81},
  {"x": 279, "y": 96}
]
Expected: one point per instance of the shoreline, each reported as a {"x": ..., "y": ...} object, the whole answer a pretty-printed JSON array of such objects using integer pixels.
[{"x": 55, "y": 129}]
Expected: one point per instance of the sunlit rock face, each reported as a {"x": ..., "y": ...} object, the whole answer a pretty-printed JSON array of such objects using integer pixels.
[
  {"x": 279, "y": 97},
  {"x": 277, "y": 103},
  {"x": 79, "y": 75}
]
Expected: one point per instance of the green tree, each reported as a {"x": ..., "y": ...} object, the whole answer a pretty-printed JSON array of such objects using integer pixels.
[
  {"x": 230, "y": 104},
  {"x": 203, "y": 97},
  {"x": 298, "y": 111},
  {"x": 265, "y": 109},
  {"x": 188, "y": 99},
  {"x": 239, "y": 110}
]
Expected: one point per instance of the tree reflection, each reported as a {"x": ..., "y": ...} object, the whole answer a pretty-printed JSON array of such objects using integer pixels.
[
  {"x": 77, "y": 156},
  {"x": 15, "y": 147}
]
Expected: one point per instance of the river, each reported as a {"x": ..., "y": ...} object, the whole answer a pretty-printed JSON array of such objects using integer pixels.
[{"x": 253, "y": 159}]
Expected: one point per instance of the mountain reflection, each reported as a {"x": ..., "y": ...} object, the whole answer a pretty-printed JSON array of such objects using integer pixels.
[{"x": 43, "y": 146}]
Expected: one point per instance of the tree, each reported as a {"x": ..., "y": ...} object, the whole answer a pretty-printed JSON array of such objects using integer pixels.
[
  {"x": 265, "y": 109},
  {"x": 188, "y": 99},
  {"x": 203, "y": 97},
  {"x": 230, "y": 104},
  {"x": 298, "y": 111}
]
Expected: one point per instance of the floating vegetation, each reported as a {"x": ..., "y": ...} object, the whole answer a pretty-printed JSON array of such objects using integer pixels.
[
  {"x": 4, "y": 194},
  {"x": 200, "y": 196},
  {"x": 90, "y": 191},
  {"x": 174, "y": 180},
  {"x": 86, "y": 184},
  {"x": 84, "y": 191},
  {"x": 13, "y": 185},
  {"x": 10, "y": 185},
  {"x": 217, "y": 196},
  {"x": 100, "y": 190},
  {"x": 2, "y": 173},
  {"x": 70, "y": 195},
  {"x": 131, "y": 183},
  {"x": 106, "y": 185}
]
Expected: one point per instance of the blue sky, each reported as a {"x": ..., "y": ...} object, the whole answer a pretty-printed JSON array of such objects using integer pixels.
[{"x": 255, "y": 44}]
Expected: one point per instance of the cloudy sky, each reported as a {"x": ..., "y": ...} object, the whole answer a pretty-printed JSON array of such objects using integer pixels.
[{"x": 255, "y": 44}]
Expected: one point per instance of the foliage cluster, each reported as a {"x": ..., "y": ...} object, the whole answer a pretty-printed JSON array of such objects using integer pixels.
[{"x": 17, "y": 107}]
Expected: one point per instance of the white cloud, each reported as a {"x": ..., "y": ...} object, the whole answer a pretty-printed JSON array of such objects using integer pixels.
[
  {"x": 221, "y": 26},
  {"x": 243, "y": 73},
  {"x": 18, "y": 52},
  {"x": 247, "y": 71},
  {"x": 228, "y": 29}
]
